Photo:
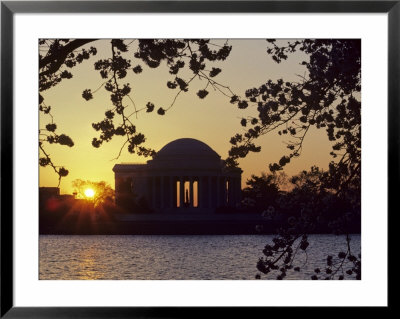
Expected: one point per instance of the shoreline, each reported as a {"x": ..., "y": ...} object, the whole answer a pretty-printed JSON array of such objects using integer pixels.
[{"x": 176, "y": 228}]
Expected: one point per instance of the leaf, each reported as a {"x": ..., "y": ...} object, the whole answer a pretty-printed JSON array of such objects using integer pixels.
[
  {"x": 62, "y": 172},
  {"x": 65, "y": 140},
  {"x": 243, "y": 105},
  {"x": 234, "y": 99},
  {"x": 304, "y": 244},
  {"x": 215, "y": 72},
  {"x": 284, "y": 160},
  {"x": 120, "y": 131},
  {"x": 109, "y": 114},
  {"x": 137, "y": 69},
  {"x": 87, "y": 94},
  {"x": 303, "y": 119},
  {"x": 150, "y": 107},
  {"x": 51, "y": 127},
  {"x": 171, "y": 85},
  {"x": 96, "y": 143},
  {"x": 44, "y": 161},
  {"x": 182, "y": 84},
  {"x": 202, "y": 94},
  {"x": 161, "y": 111}
]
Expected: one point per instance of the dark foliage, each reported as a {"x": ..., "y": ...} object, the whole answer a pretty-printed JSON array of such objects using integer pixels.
[
  {"x": 57, "y": 56},
  {"x": 307, "y": 208},
  {"x": 327, "y": 98}
]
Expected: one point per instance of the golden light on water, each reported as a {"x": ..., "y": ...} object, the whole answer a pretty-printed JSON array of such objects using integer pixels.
[{"x": 89, "y": 192}]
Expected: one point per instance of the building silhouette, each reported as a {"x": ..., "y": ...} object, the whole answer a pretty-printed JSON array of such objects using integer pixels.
[
  {"x": 185, "y": 176},
  {"x": 47, "y": 192}
]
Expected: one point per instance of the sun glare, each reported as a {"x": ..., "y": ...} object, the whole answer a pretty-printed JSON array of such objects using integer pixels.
[{"x": 89, "y": 192}]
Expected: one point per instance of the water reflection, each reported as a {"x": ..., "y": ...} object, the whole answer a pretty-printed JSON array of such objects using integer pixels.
[
  {"x": 88, "y": 266},
  {"x": 171, "y": 257}
]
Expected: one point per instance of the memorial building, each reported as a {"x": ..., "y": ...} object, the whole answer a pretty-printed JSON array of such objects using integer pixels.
[{"x": 185, "y": 176}]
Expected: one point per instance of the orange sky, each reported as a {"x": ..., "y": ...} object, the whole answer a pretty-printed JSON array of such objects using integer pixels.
[{"x": 212, "y": 120}]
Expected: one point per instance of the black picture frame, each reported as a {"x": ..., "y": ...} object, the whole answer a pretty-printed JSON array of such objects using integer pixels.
[{"x": 9, "y": 8}]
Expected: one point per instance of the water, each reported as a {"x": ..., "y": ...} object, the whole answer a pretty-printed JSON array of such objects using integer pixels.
[{"x": 173, "y": 257}]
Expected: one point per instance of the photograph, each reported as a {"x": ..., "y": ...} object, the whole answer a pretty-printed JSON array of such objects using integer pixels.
[{"x": 199, "y": 159}]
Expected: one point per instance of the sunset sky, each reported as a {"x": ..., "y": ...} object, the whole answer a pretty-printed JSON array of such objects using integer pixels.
[{"x": 212, "y": 120}]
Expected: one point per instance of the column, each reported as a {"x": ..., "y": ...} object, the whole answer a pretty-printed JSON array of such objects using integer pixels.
[
  {"x": 238, "y": 190},
  {"x": 199, "y": 194},
  {"x": 181, "y": 191},
  {"x": 218, "y": 191},
  {"x": 153, "y": 184},
  {"x": 235, "y": 192},
  {"x": 161, "y": 191},
  {"x": 209, "y": 192},
  {"x": 225, "y": 194},
  {"x": 232, "y": 188},
  {"x": 172, "y": 184},
  {"x": 191, "y": 191}
]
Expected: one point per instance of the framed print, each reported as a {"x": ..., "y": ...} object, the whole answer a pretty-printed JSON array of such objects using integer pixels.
[{"x": 196, "y": 155}]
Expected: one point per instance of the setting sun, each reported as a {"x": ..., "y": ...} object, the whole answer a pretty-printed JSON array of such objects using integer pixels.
[{"x": 89, "y": 192}]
